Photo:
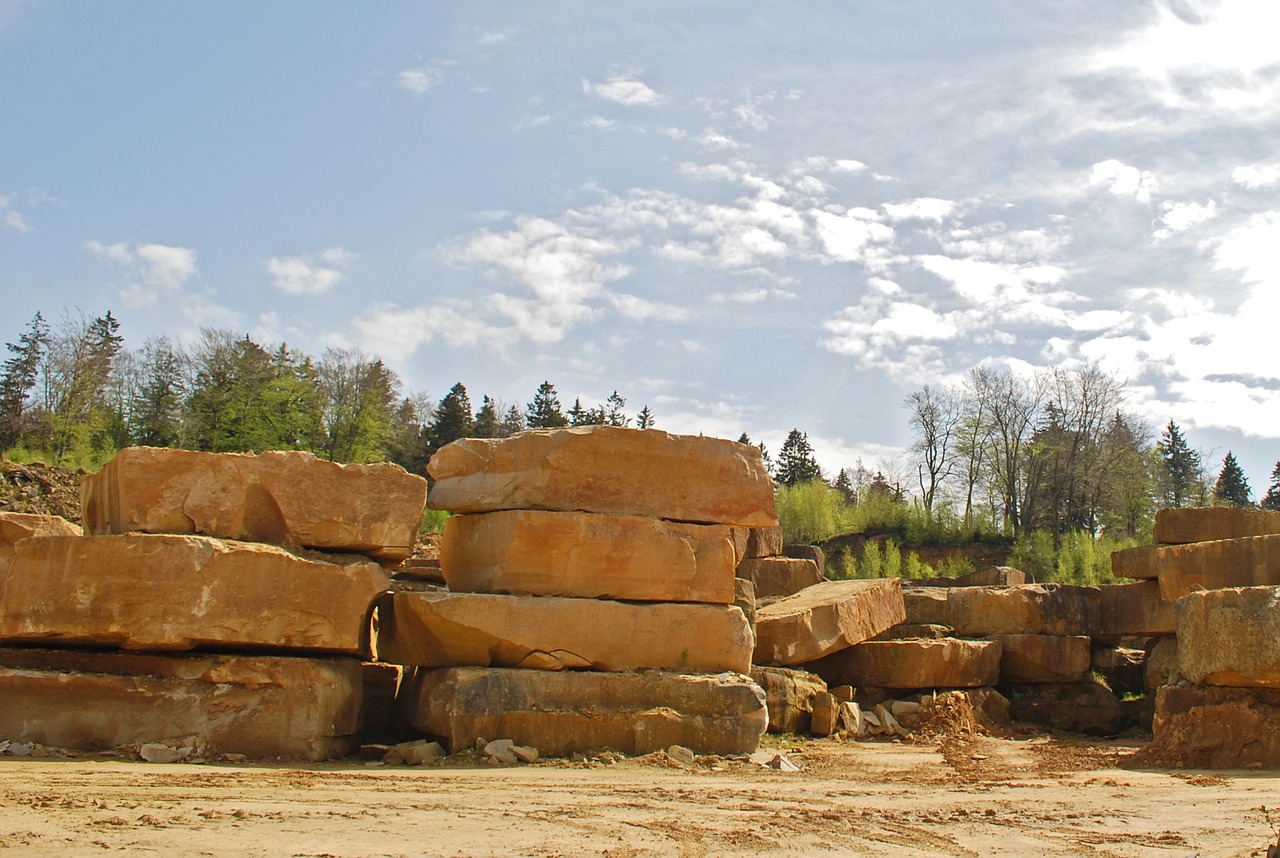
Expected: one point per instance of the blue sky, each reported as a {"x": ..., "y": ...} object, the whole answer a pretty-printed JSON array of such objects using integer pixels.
[{"x": 750, "y": 216}]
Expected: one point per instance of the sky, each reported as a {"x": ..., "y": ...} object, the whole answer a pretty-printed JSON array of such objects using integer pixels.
[{"x": 750, "y": 217}]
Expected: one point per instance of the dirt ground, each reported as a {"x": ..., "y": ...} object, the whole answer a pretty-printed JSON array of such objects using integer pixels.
[{"x": 968, "y": 796}]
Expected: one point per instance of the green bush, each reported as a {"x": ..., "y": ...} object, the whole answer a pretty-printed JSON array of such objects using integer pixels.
[
  {"x": 811, "y": 512},
  {"x": 433, "y": 521}
]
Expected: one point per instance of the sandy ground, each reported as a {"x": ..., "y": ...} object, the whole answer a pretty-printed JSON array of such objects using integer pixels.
[{"x": 967, "y": 796}]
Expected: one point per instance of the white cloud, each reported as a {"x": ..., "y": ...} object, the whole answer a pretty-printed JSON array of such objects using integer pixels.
[
  {"x": 921, "y": 208},
  {"x": 634, "y": 307},
  {"x": 717, "y": 141},
  {"x": 1253, "y": 176},
  {"x": 152, "y": 271},
  {"x": 1123, "y": 180},
  {"x": 624, "y": 89},
  {"x": 166, "y": 267},
  {"x": 310, "y": 274},
  {"x": 850, "y": 237},
  {"x": 397, "y": 332},
  {"x": 420, "y": 81},
  {"x": 600, "y": 122},
  {"x": 1254, "y": 250},
  {"x": 12, "y": 219},
  {"x": 1179, "y": 217}
]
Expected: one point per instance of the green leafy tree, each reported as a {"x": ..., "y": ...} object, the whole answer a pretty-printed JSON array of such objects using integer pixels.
[
  {"x": 1232, "y": 489},
  {"x": 452, "y": 420},
  {"x": 76, "y": 373},
  {"x": 18, "y": 376},
  {"x": 1271, "y": 500},
  {"x": 545, "y": 411},
  {"x": 359, "y": 399},
  {"x": 796, "y": 462},
  {"x": 407, "y": 446}
]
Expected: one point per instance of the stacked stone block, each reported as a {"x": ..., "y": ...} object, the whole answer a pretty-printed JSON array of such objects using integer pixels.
[
  {"x": 225, "y": 598},
  {"x": 591, "y": 593}
]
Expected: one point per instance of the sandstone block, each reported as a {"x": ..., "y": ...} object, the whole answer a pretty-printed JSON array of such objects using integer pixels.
[
  {"x": 912, "y": 631},
  {"x": 808, "y": 552},
  {"x": 158, "y": 592},
  {"x": 534, "y": 552},
  {"x": 1086, "y": 707},
  {"x": 1162, "y": 662},
  {"x": 926, "y": 606},
  {"x": 825, "y": 618},
  {"x": 741, "y": 538},
  {"x": 381, "y": 681},
  {"x": 779, "y": 576},
  {"x": 1230, "y": 637},
  {"x": 552, "y": 633},
  {"x": 276, "y": 497},
  {"x": 1044, "y": 658},
  {"x": 1134, "y": 609},
  {"x": 18, "y": 525},
  {"x": 1207, "y": 524},
  {"x": 826, "y": 713},
  {"x": 764, "y": 542},
  {"x": 259, "y": 706},
  {"x": 1032, "y": 609},
  {"x": 947, "y": 663},
  {"x": 1251, "y": 561},
  {"x": 744, "y": 596},
  {"x": 993, "y": 576},
  {"x": 1216, "y": 728},
  {"x": 789, "y": 697},
  {"x": 1136, "y": 562},
  {"x": 575, "y": 712},
  {"x": 607, "y": 469}
]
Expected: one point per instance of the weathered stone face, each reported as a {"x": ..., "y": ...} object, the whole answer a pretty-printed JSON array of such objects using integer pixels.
[
  {"x": 259, "y": 706},
  {"x": 789, "y": 696},
  {"x": 159, "y": 592},
  {"x": 568, "y": 712},
  {"x": 1230, "y": 637},
  {"x": 926, "y": 606},
  {"x": 1207, "y": 524},
  {"x": 825, "y": 618},
  {"x": 1134, "y": 609},
  {"x": 551, "y": 633},
  {"x": 1251, "y": 561},
  {"x": 1044, "y": 658},
  {"x": 17, "y": 525},
  {"x": 275, "y": 497},
  {"x": 764, "y": 542},
  {"x": 607, "y": 469},
  {"x": 589, "y": 556},
  {"x": 1217, "y": 728},
  {"x": 1162, "y": 662},
  {"x": 779, "y": 576},
  {"x": 1136, "y": 562},
  {"x": 1032, "y": 609},
  {"x": 945, "y": 663}
]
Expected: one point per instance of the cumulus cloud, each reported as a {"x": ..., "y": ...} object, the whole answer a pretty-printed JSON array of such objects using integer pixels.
[
  {"x": 1179, "y": 217},
  {"x": 625, "y": 89},
  {"x": 921, "y": 208},
  {"x": 151, "y": 271},
  {"x": 310, "y": 274},
  {"x": 1253, "y": 176},
  {"x": 1123, "y": 180},
  {"x": 420, "y": 81},
  {"x": 851, "y": 237}
]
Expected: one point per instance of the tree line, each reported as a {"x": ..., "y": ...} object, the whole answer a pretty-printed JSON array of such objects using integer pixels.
[{"x": 72, "y": 393}]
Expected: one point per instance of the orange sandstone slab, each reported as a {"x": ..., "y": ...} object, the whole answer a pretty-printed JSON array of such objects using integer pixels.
[
  {"x": 17, "y": 525},
  {"x": 779, "y": 576},
  {"x": 1207, "y": 524},
  {"x": 589, "y": 556},
  {"x": 259, "y": 706},
  {"x": 607, "y": 469},
  {"x": 1044, "y": 658},
  {"x": 159, "y": 592},
  {"x": 1230, "y": 637},
  {"x": 1252, "y": 561},
  {"x": 941, "y": 663},
  {"x": 825, "y": 618},
  {"x": 1135, "y": 609},
  {"x": 550, "y": 633},
  {"x": 1136, "y": 562},
  {"x": 287, "y": 497}
]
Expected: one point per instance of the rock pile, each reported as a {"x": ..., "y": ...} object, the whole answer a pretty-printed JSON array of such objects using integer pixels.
[
  {"x": 590, "y": 597},
  {"x": 1219, "y": 703},
  {"x": 182, "y": 620}
]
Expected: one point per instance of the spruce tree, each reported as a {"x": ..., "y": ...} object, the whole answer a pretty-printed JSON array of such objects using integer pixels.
[
  {"x": 1232, "y": 489},
  {"x": 644, "y": 420},
  {"x": 18, "y": 377},
  {"x": 1272, "y": 498},
  {"x": 1180, "y": 468},
  {"x": 486, "y": 423},
  {"x": 614, "y": 415},
  {"x": 545, "y": 412},
  {"x": 796, "y": 462},
  {"x": 452, "y": 419}
]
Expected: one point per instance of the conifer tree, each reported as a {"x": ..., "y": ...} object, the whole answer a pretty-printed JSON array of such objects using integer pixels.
[
  {"x": 614, "y": 415},
  {"x": 486, "y": 423},
  {"x": 1232, "y": 489},
  {"x": 796, "y": 462},
  {"x": 545, "y": 412},
  {"x": 17, "y": 378},
  {"x": 644, "y": 420},
  {"x": 1180, "y": 469},
  {"x": 452, "y": 419},
  {"x": 1272, "y": 498}
]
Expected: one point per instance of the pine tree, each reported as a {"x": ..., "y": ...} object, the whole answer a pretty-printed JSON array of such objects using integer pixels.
[
  {"x": 486, "y": 423},
  {"x": 1272, "y": 498},
  {"x": 1180, "y": 469},
  {"x": 844, "y": 484},
  {"x": 1232, "y": 489},
  {"x": 452, "y": 419},
  {"x": 17, "y": 378},
  {"x": 544, "y": 412},
  {"x": 796, "y": 462},
  {"x": 614, "y": 415},
  {"x": 644, "y": 420},
  {"x": 512, "y": 422}
]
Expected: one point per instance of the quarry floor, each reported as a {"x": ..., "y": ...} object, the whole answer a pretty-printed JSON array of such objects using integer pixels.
[{"x": 972, "y": 796}]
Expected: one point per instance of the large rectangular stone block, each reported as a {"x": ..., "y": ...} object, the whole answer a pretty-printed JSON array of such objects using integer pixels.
[
  {"x": 825, "y": 618},
  {"x": 607, "y": 469},
  {"x": 940, "y": 663},
  {"x": 281, "y": 497},
  {"x": 1136, "y": 562},
  {"x": 17, "y": 525},
  {"x": 1044, "y": 658},
  {"x": 1251, "y": 561},
  {"x": 1031, "y": 609},
  {"x": 1230, "y": 637},
  {"x": 926, "y": 606},
  {"x": 1208, "y": 524},
  {"x": 779, "y": 576},
  {"x": 587, "y": 555},
  {"x": 552, "y": 633},
  {"x": 158, "y": 592},
  {"x": 1134, "y": 609},
  {"x": 259, "y": 706},
  {"x": 569, "y": 712}
]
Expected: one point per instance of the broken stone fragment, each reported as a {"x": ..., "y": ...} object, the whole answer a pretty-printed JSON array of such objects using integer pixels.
[
  {"x": 789, "y": 694},
  {"x": 154, "y": 592},
  {"x": 680, "y": 754},
  {"x": 259, "y": 706},
  {"x": 825, "y": 618},
  {"x": 567, "y": 712},
  {"x": 825, "y": 714},
  {"x": 534, "y": 552},
  {"x": 1136, "y": 562},
  {"x": 607, "y": 469},
  {"x": 552, "y": 633},
  {"x": 280, "y": 497},
  {"x": 155, "y": 752},
  {"x": 17, "y": 525}
]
